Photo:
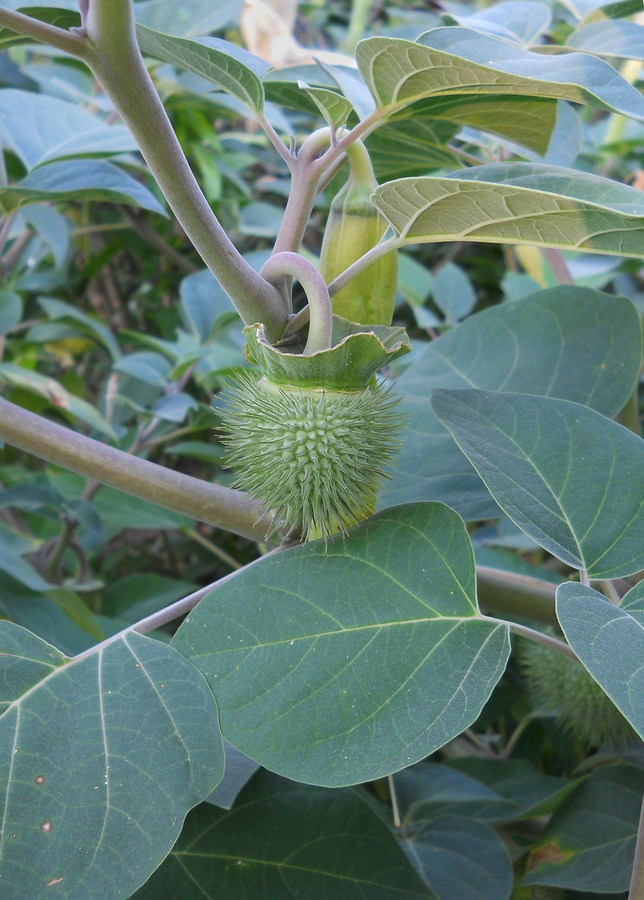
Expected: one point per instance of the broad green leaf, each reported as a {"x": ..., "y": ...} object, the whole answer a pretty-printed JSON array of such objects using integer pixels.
[
  {"x": 428, "y": 791},
  {"x": 10, "y": 310},
  {"x": 142, "y": 593},
  {"x": 334, "y": 108},
  {"x": 12, "y": 546},
  {"x": 519, "y": 21},
  {"x": 518, "y": 203},
  {"x": 203, "y": 302},
  {"x": 222, "y": 69},
  {"x": 39, "y": 128},
  {"x": 590, "y": 841},
  {"x": 188, "y": 18},
  {"x": 174, "y": 407},
  {"x": 453, "y": 292},
  {"x": 412, "y": 147},
  {"x": 617, "y": 39},
  {"x": 66, "y": 403},
  {"x": 57, "y": 309},
  {"x": 287, "y": 840},
  {"x": 80, "y": 180},
  {"x": 609, "y": 641},
  {"x": 460, "y": 857},
  {"x": 36, "y": 612},
  {"x": 76, "y": 610},
  {"x": 531, "y": 793},
  {"x": 103, "y": 758},
  {"x": 569, "y": 342},
  {"x": 341, "y": 663},
  {"x": 12, "y": 563},
  {"x": 150, "y": 368},
  {"x": 460, "y": 61},
  {"x": 25, "y": 660},
  {"x": 566, "y": 475},
  {"x": 529, "y": 121}
]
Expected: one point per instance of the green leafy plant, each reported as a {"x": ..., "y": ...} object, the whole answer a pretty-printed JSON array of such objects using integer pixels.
[{"x": 299, "y": 679}]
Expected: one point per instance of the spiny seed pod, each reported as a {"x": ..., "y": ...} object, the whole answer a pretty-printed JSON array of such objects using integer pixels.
[
  {"x": 561, "y": 685},
  {"x": 313, "y": 455},
  {"x": 355, "y": 226}
]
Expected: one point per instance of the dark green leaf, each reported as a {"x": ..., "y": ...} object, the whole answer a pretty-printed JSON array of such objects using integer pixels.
[
  {"x": 428, "y": 791},
  {"x": 286, "y": 840},
  {"x": 326, "y": 659},
  {"x": 461, "y": 858},
  {"x": 57, "y": 309},
  {"x": 566, "y": 475},
  {"x": 609, "y": 641},
  {"x": 531, "y": 793},
  {"x": 39, "y": 129},
  {"x": 590, "y": 841},
  {"x": 80, "y": 180},
  {"x": 103, "y": 758},
  {"x": 567, "y": 342}
]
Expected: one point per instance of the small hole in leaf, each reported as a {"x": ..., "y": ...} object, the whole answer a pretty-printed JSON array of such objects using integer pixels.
[{"x": 47, "y": 826}]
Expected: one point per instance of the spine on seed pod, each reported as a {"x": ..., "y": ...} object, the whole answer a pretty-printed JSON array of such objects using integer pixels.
[{"x": 311, "y": 436}]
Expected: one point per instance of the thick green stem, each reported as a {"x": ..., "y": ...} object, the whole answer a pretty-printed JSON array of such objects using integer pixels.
[
  {"x": 518, "y": 596},
  {"x": 118, "y": 65},
  {"x": 107, "y": 44},
  {"x": 305, "y": 171},
  {"x": 292, "y": 265},
  {"x": 211, "y": 503}
]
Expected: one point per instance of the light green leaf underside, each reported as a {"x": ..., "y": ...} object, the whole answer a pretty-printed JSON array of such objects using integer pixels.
[
  {"x": 569, "y": 342},
  {"x": 102, "y": 759},
  {"x": 39, "y": 128},
  {"x": 287, "y": 840},
  {"x": 521, "y": 203},
  {"x": 79, "y": 180},
  {"x": 220, "y": 68},
  {"x": 617, "y": 39},
  {"x": 459, "y": 60},
  {"x": 338, "y": 664},
  {"x": 334, "y": 108},
  {"x": 520, "y": 21},
  {"x": 609, "y": 640},
  {"x": 570, "y": 478},
  {"x": 589, "y": 843}
]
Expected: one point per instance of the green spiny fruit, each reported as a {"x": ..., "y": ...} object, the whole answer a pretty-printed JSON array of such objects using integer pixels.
[
  {"x": 562, "y": 685},
  {"x": 355, "y": 226},
  {"x": 315, "y": 456}
]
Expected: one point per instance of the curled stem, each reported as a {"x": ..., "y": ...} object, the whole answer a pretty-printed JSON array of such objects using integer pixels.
[{"x": 292, "y": 265}]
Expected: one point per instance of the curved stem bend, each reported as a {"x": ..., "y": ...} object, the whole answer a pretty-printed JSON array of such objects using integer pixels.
[{"x": 292, "y": 265}]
